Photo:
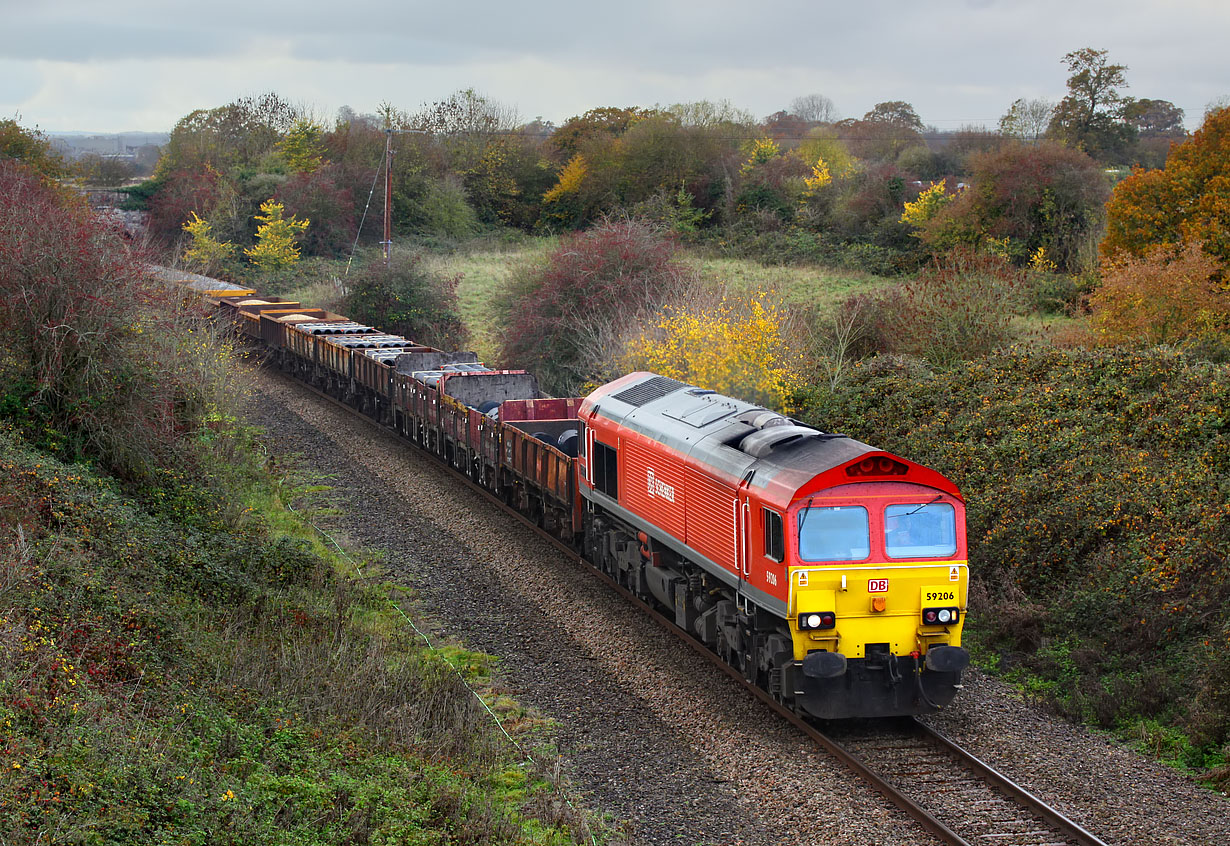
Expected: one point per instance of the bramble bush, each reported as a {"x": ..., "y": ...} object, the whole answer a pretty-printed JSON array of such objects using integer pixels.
[
  {"x": 567, "y": 318},
  {"x": 99, "y": 361},
  {"x": 1188, "y": 201},
  {"x": 1099, "y": 518}
]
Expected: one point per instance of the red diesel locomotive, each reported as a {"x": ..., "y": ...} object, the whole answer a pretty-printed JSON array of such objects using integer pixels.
[{"x": 832, "y": 574}]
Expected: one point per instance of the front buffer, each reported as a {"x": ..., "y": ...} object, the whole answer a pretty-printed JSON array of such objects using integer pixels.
[{"x": 876, "y": 641}]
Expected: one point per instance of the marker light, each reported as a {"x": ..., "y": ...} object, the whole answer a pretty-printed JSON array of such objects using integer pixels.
[
  {"x": 940, "y": 616},
  {"x": 823, "y": 620}
]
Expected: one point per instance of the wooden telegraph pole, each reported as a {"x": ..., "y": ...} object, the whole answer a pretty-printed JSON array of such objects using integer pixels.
[{"x": 388, "y": 197}]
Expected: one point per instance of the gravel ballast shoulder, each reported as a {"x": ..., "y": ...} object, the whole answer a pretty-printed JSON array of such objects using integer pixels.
[{"x": 648, "y": 732}]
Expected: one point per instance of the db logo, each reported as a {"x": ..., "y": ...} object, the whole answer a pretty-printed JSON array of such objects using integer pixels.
[{"x": 877, "y": 586}]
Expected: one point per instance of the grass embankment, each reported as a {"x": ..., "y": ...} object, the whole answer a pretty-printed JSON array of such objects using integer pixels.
[
  {"x": 172, "y": 674},
  {"x": 1099, "y": 525}
]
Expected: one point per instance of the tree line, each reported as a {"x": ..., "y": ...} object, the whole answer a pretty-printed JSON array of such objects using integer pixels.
[{"x": 800, "y": 183}]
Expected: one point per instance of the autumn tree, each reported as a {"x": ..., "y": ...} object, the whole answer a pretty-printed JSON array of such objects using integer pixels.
[
  {"x": 611, "y": 121},
  {"x": 1187, "y": 202},
  {"x": 814, "y": 108},
  {"x": 1162, "y": 297},
  {"x": 1025, "y": 198},
  {"x": 884, "y": 131},
  {"x": 237, "y": 134},
  {"x": 30, "y": 147},
  {"x": 1158, "y": 124},
  {"x": 785, "y": 128},
  {"x": 1155, "y": 118},
  {"x": 1090, "y": 117},
  {"x": 1027, "y": 120},
  {"x": 687, "y": 147},
  {"x": 276, "y": 238}
]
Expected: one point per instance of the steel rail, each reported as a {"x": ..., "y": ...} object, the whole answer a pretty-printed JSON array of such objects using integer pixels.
[
  {"x": 1007, "y": 787},
  {"x": 896, "y": 797}
]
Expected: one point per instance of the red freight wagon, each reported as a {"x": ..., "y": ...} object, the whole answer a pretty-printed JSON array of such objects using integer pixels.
[
  {"x": 467, "y": 396},
  {"x": 247, "y": 311},
  {"x": 538, "y": 459},
  {"x": 273, "y": 322}
]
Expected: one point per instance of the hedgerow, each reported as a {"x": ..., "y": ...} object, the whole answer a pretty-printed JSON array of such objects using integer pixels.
[{"x": 1099, "y": 518}]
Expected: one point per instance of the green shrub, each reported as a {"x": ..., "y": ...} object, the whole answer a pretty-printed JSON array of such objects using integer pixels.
[
  {"x": 961, "y": 307},
  {"x": 406, "y": 299},
  {"x": 1096, "y": 485},
  {"x": 1055, "y": 293}
]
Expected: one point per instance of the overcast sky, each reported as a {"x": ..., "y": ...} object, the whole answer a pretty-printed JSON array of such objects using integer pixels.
[{"x": 126, "y": 65}]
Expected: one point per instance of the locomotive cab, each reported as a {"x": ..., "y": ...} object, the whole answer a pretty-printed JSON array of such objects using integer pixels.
[{"x": 878, "y": 592}]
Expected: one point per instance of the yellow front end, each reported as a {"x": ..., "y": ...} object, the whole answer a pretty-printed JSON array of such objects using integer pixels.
[{"x": 882, "y": 605}]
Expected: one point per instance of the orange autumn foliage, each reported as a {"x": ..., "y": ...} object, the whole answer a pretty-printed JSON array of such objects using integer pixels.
[
  {"x": 1188, "y": 201},
  {"x": 1164, "y": 297}
]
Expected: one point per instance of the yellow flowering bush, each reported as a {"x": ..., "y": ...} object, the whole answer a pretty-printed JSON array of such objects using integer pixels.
[
  {"x": 1039, "y": 261},
  {"x": 737, "y": 347},
  {"x": 927, "y": 205},
  {"x": 821, "y": 175},
  {"x": 759, "y": 152},
  {"x": 570, "y": 179}
]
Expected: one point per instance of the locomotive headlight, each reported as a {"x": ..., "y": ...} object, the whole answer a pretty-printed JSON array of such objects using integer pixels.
[
  {"x": 945, "y": 615},
  {"x": 823, "y": 620}
]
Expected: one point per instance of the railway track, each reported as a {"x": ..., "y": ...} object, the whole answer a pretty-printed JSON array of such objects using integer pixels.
[{"x": 950, "y": 793}]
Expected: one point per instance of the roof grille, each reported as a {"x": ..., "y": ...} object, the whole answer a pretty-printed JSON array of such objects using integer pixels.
[{"x": 647, "y": 391}]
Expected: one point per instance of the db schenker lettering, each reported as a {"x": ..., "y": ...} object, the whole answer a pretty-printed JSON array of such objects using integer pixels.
[{"x": 659, "y": 488}]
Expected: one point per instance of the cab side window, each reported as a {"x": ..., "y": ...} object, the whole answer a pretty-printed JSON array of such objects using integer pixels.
[
  {"x": 774, "y": 535},
  {"x": 605, "y": 464}
]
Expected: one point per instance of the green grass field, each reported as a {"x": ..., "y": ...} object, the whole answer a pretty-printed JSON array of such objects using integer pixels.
[{"x": 485, "y": 270}]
